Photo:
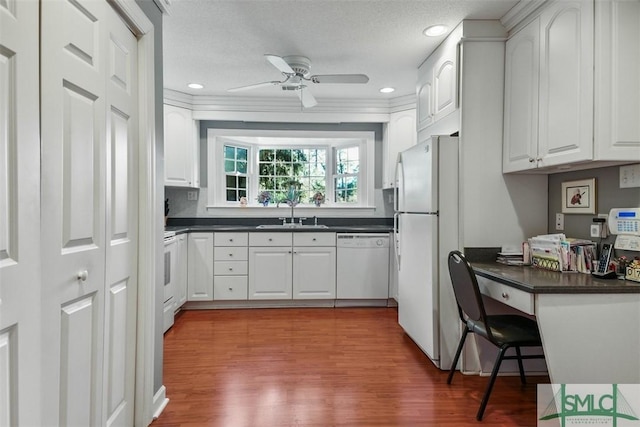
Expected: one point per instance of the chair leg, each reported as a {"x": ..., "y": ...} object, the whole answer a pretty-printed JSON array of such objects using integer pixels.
[
  {"x": 523, "y": 380},
  {"x": 492, "y": 380},
  {"x": 457, "y": 356}
]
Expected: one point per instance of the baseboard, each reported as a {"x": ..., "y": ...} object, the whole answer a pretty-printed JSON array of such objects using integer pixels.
[{"x": 160, "y": 402}]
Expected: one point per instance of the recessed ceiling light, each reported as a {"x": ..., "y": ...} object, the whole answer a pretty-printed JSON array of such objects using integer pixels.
[
  {"x": 387, "y": 90},
  {"x": 435, "y": 30},
  {"x": 195, "y": 85}
]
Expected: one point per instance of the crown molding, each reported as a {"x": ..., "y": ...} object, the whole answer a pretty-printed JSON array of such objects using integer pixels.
[
  {"x": 208, "y": 107},
  {"x": 520, "y": 12}
]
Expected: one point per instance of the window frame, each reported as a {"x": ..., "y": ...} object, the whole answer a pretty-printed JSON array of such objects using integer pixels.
[{"x": 253, "y": 140}]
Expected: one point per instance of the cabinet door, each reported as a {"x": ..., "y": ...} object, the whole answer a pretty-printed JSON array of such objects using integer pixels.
[
  {"x": 180, "y": 148},
  {"x": 180, "y": 272},
  {"x": 445, "y": 84},
  {"x": 314, "y": 273},
  {"x": 566, "y": 83},
  {"x": 401, "y": 134},
  {"x": 425, "y": 94},
  {"x": 200, "y": 277},
  {"x": 522, "y": 65},
  {"x": 617, "y": 77},
  {"x": 270, "y": 272}
]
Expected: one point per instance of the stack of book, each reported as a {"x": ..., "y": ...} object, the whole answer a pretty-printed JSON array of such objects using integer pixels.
[{"x": 511, "y": 256}]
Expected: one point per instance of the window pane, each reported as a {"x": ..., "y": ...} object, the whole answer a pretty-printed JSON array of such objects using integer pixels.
[
  {"x": 242, "y": 167},
  {"x": 229, "y": 166},
  {"x": 242, "y": 182},
  {"x": 266, "y": 155},
  {"x": 231, "y": 196},
  {"x": 229, "y": 152},
  {"x": 241, "y": 153},
  {"x": 231, "y": 181}
]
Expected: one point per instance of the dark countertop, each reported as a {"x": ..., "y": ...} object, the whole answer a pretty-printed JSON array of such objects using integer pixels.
[
  {"x": 252, "y": 228},
  {"x": 538, "y": 281}
]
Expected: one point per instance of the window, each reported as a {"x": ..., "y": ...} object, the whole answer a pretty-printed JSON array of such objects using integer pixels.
[
  {"x": 333, "y": 165},
  {"x": 235, "y": 170},
  {"x": 279, "y": 168}
]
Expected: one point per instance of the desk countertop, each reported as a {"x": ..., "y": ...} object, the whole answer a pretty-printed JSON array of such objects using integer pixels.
[{"x": 538, "y": 281}]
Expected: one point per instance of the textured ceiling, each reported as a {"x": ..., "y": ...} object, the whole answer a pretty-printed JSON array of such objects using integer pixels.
[{"x": 221, "y": 43}]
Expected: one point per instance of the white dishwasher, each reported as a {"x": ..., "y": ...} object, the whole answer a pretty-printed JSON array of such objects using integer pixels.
[{"x": 362, "y": 268}]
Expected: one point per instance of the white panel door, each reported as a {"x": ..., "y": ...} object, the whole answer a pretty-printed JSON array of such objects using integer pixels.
[
  {"x": 200, "y": 267},
  {"x": 417, "y": 281},
  {"x": 270, "y": 273},
  {"x": 20, "y": 347},
  {"x": 121, "y": 222},
  {"x": 89, "y": 244},
  {"x": 418, "y": 178}
]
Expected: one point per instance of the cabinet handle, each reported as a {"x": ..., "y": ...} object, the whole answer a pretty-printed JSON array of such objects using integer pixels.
[
  {"x": 230, "y": 255},
  {"x": 231, "y": 289},
  {"x": 531, "y": 160},
  {"x": 230, "y": 268},
  {"x": 270, "y": 239},
  {"x": 231, "y": 240},
  {"x": 505, "y": 295},
  {"x": 314, "y": 239},
  {"x": 82, "y": 275}
]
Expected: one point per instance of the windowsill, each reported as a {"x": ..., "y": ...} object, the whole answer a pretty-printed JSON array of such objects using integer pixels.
[{"x": 285, "y": 211}]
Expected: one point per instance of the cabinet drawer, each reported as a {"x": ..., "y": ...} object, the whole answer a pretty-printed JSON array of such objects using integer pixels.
[
  {"x": 230, "y": 253},
  {"x": 314, "y": 239},
  {"x": 270, "y": 239},
  {"x": 230, "y": 268},
  {"x": 516, "y": 298},
  {"x": 230, "y": 239},
  {"x": 230, "y": 288}
]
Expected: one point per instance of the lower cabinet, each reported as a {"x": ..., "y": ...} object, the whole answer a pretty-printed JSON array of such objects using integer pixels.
[
  {"x": 292, "y": 266},
  {"x": 230, "y": 266},
  {"x": 181, "y": 270},
  {"x": 200, "y": 276}
]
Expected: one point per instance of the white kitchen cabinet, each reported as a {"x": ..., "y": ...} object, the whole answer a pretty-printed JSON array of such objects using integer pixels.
[
  {"x": 399, "y": 134},
  {"x": 231, "y": 266},
  {"x": 314, "y": 266},
  {"x": 438, "y": 82},
  {"x": 181, "y": 270},
  {"x": 617, "y": 80},
  {"x": 292, "y": 265},
  {"x": 270, "y": 265},
  {"x": 181, "y": 148},
  {"x": 200, "y": 276},
  {"x": 549, "y": 87}
]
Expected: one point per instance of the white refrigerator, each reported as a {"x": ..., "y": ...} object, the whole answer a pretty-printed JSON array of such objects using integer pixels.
[{"x": 426, "y": 229}]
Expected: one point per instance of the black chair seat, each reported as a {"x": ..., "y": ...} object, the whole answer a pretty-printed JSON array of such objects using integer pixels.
[
  {"x": 505, "y": 331},
  {"x": 509, "y": 329}
]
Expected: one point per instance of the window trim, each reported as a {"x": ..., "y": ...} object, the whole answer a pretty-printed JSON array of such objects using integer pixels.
[{"x": 251, "y": 140}]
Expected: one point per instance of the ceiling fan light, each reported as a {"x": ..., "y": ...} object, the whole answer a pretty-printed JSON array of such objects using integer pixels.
[
  {"x": 387, "y": 90},
  {"x": 195, "y": 86},
  {"x": 435, "y": 30}
]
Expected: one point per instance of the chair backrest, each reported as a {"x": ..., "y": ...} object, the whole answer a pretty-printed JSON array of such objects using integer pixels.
[{"x": 465, "y": 288}]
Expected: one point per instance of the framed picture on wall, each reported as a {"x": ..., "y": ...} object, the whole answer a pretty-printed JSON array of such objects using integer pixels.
[{"x": 579, "y": 197}]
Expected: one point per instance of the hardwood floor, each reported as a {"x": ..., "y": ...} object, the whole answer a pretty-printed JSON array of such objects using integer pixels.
[{"x": 320, "y": 367}]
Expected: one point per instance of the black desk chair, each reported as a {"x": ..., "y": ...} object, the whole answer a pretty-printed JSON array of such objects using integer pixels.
[{"x": 502, "y": 330}]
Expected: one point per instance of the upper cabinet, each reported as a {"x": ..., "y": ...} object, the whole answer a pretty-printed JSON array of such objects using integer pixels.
[
  {"x": 559, "y": 113},
  {"x": 181, "y": 148},
  {"x": 617, "y": 83},
  {"x": 399, "y": 134},
  {"x": 437, "y": 89},
  {"x": 549, "y": 89}
]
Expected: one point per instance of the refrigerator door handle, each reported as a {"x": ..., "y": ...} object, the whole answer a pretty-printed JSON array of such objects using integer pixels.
[
  {"x": 399, "y": 188},
  {"x": 396, "y": 238}
]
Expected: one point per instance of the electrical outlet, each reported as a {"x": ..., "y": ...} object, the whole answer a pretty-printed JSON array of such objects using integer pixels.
[
  {"x": 559, "y": 221},
  {"x": 595, "y": 230},
  {"x": 192, "y": 195}
]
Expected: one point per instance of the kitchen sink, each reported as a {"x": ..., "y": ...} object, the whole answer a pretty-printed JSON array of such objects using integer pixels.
[{"x": 289, "y": 226}]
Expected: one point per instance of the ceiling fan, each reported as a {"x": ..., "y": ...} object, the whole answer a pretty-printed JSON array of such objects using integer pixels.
[{"x": 295, "y": 70}]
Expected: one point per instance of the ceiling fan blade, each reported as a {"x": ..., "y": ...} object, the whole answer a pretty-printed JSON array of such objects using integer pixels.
[
  {"x": 307, "y": 99},
  {"x": 340, "y": 78},
  {"x": 254, "y": 86},
  {"x": 280, "y": 64}
]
